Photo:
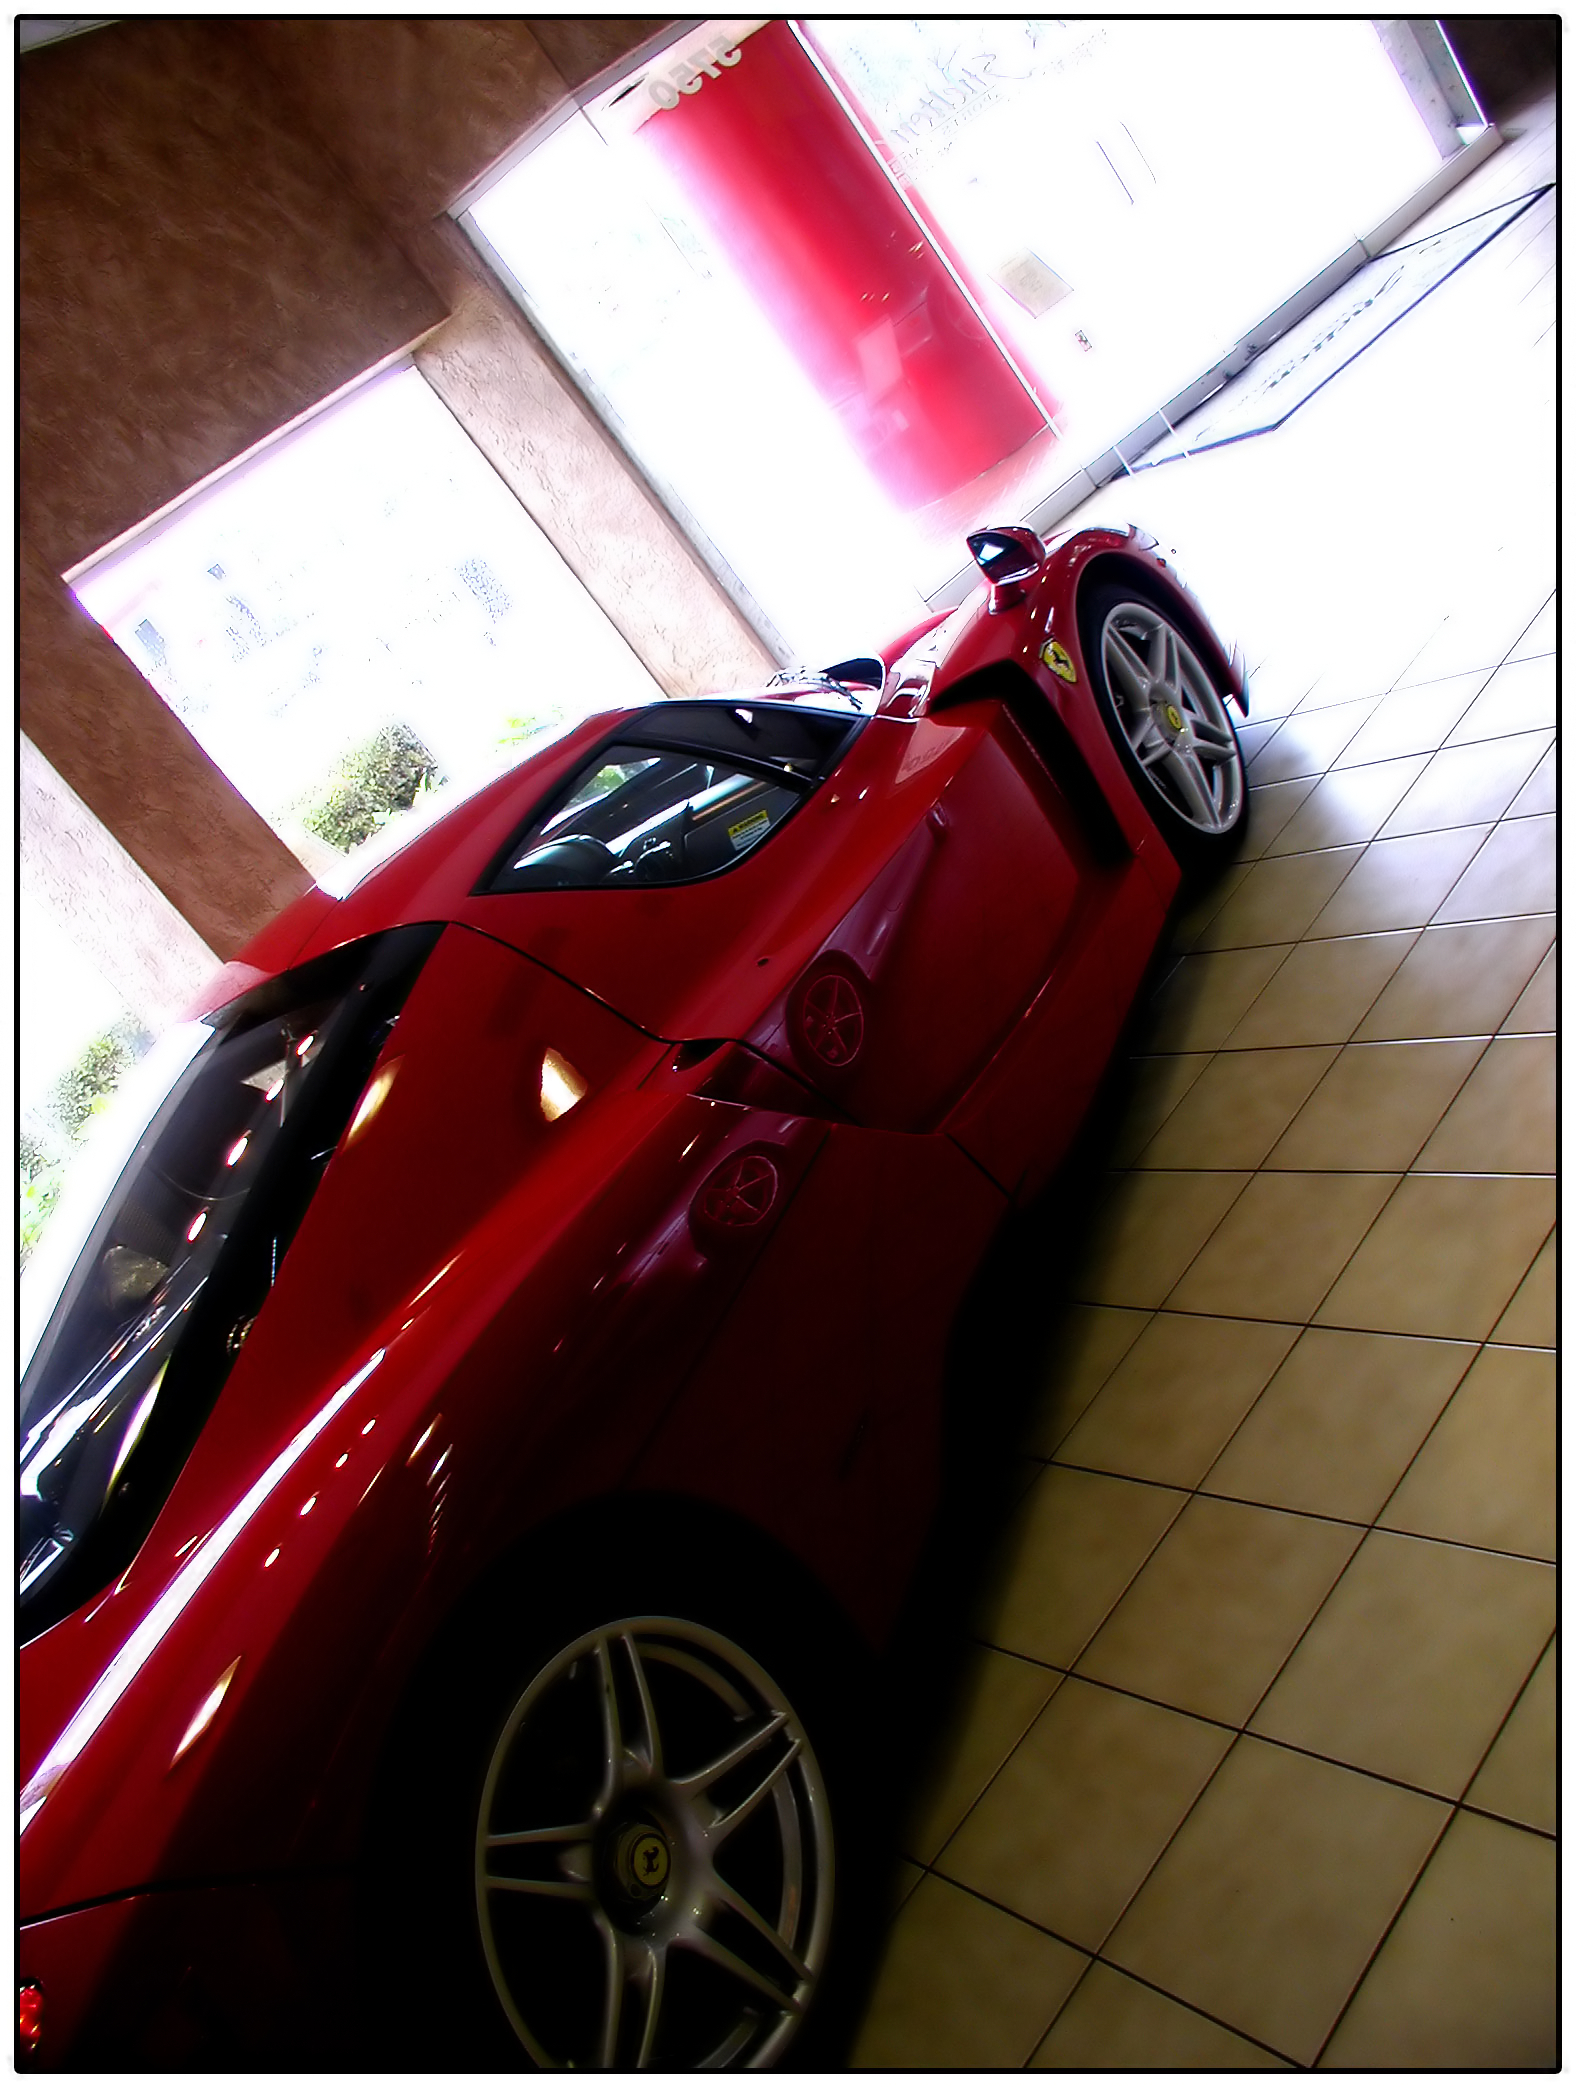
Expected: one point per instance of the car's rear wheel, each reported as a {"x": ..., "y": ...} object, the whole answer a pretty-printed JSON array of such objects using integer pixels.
[
  {"x": 654, "y": 1864},
  {"x": 1169, "y": 721}
]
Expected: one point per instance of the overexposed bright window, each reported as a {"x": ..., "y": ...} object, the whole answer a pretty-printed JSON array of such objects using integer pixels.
[
  {"x": 1132, "y": 196},
  {"x": 76, "y": 1039},
  {"x": 361, "y": 623},
  {"x": 616, "y": 266},
  {"x": 1126, "y": 197}
]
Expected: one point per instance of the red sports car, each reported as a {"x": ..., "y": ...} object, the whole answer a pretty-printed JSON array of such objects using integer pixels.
[{"x": 466, "y": 1455}]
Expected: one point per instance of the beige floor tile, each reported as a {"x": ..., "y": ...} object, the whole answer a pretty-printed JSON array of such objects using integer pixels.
[
  {"x": 1275, "y": 1892},
  {"x": 1519, "y": 1778},
  {"x": 1467, "y": 786},
  {"x": 1459, "y": 982},
  {"x": 1529, "y": 1319},
  {"x": 1252, "y": 734},
  {"x": 1339, "y": 1422},
  {"x": 1487, "y": 1475},
  {"x": 1410, "y": 1667},
  {"x": 905, "y": 1876},
  {"x": 1309, "y": 741},
  {"x": 1401, "y": 883},
  {"x": 1285, "y": 1241},
  {"x": 1347, "y": 806},
  {"x": 1154, "y": 1087},
  {"x": 1412, "y": 721},
  {"x": 1113, "y": 2023},
  {"x": 1538, "y": 1009},
  {"x": 997, "y": 1700},
  {"x": 1540, "y": 635},
  {"x": 1278, "y": 899},
  {"x": 1206, "y": 997},
  {"x": 1468, "y": 1977},
  {"x": 1075, "y": 1821},
  {"x": 1088, "y": 1343},
  {"x": 1540, "y": 792},
  {"x": 1515, "y": 872},
  {"x": 1238, "y": 1109},
  {"x": 962, "y": 1984},
  {"x": 1365, "y": 653},
  {"x": 1176, "y": 1397},
  {"x": 1445, "y": 1257},
  {"x": 1270, "y": 806},
  {"x": 1301, "y": 1892},
  {"x": 1482, "y": 625},
  {"x": 1279, "y": 685},
  {"x": 1074, "y": 1546},
  {"x": 1146, "y": 1229},
  {"x": 1376, "y": 1105},
  {"x": 1213, "y": 1615},
  {"x": 1520, "y": 698},
  {"x": 1463, "y": 644},
  {"x": 1206, "y": 901},
  {"x": 1502, "y": 1122},
  {"x": 1322, "y": 992}
]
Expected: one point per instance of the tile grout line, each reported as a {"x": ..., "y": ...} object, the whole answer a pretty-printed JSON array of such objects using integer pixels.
[
  {"x": 1293, "y": 1747},
  {"x": 1389, "y": 1930},
  {"x": 1530, "y": 148},
  {"x": 1094, "y": 1957}
]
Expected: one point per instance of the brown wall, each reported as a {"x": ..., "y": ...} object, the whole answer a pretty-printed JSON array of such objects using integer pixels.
[
  {"x": 194, "y": 273},
  {"x": 415, "y": 112},
  {"x": 490, "y": 370},
  {"x": 1505, "y": 56},
  {"x": 136, "y": 767},
  {"x": 223, "y": 222}
]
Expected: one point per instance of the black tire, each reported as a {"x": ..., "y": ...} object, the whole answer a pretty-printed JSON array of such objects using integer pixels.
[
  {"x": 1168, "y": 718},
  {"x": 586, "y": 1898}
]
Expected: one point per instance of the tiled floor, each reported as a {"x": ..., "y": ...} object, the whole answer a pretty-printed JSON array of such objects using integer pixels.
[{"x": 1252, "y": 1761}]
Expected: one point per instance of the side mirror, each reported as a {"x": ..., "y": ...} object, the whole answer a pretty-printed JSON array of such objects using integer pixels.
[
  {"x": 863, "y": 673},
  {"x": 1007, "y": 557}
]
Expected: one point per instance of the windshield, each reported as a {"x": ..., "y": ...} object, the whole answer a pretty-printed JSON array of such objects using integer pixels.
[{"x": 222, "y": 1148}]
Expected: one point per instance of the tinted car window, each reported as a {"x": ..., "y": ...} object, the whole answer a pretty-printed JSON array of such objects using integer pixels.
[
  {"x": 684, "y": 793},
  {"x": 180, "y": 1256}
]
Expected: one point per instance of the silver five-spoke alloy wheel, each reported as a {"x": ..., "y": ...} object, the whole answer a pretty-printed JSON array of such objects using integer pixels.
[
  {"x": 1173, "y": 717},
  {"x": 654, "y": 1867}
]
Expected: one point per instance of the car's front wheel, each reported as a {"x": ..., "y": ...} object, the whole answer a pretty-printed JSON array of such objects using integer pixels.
[
  {"x": 1169, "y": 721},
  {"x": 654, "y": 1868},
  {"x": 624, "y": 1821}
]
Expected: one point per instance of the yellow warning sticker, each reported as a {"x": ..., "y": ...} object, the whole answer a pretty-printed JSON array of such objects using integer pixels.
[
  {"x": 749, "y": 830},
  {"x": 1059, "y": 660}
]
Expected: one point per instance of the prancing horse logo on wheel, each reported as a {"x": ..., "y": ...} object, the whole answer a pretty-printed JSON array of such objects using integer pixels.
[
  {"x": 649, "y": 1862},
  {"x": 832, "y": 1020}
]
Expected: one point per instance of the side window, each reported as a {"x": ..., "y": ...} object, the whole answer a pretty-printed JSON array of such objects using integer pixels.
[{"x": 697, "y": 791}]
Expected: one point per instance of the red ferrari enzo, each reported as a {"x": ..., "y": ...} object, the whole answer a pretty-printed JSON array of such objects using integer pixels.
[{"x": 467, "y": 1451}]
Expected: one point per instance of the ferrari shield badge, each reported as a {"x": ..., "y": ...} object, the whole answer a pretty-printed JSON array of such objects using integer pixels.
[{"x": 1059, "y": 659}]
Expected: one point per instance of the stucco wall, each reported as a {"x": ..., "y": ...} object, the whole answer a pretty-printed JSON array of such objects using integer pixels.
[
  {"x": 136, "y": 767},
  {"x": 493, "y": 374},
  {"x": 1504, "y": 56},
  {"x": 223, "y": 222},
  {"x": 73, "y": 867},
  {"x": 414, "y": 113},
  {"x": 412, "y": 110},
  {"x": 194, "y": 273}
]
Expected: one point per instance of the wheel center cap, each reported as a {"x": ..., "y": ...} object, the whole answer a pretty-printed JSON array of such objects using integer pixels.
[
  {"x": 642, "y": 1861},
  {"x": 1173, "y": 716}
]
